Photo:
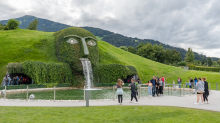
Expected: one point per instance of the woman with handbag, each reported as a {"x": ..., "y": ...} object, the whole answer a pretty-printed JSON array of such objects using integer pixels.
[
  {"x": 200, "y": 90},
  {"x": 119, "y": 91}
]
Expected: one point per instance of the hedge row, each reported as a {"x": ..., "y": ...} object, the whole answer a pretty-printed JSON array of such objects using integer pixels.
[
  {"x": 201, "y": 68},
  {"x": 42, "y": 73},
  {"x": 111, "y": 72}
]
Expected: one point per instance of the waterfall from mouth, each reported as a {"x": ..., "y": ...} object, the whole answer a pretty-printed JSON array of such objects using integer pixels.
[{"x": 87, "y": 70}]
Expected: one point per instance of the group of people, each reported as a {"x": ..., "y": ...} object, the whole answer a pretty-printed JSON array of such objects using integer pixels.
[
  {"x": 202, "y": 90},
  {"x": 133, "y": 87},
  {"x": 155, "y": 86},
  {"x": 15, "y": 81}
]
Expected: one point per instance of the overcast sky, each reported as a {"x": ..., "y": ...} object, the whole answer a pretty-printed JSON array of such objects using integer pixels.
[{"x": 180, "y": 23}]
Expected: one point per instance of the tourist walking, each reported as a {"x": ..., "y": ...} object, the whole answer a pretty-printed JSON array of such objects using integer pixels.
[
  {"x": 163, "y": 79},
  {"x": 157, "y": 87},
  {"x": 136, "y": 88},
  {"x": 195, "y": 81},
  {"x": 14, "y": 80},
  {"x": 206, "y": 89},
  {"x": 200, "y": 90},
  {"x": 179, "y": 82},
  {"x": 21, "y": 80},
  {"x": 119, "y": 91},
  {"x": 153, "y": 81},
  {"x": 9, "y": 80},
  {"x": 191, "y": 81},
  {"x": 149, "y": 89},
  {"x": 133, "y": 91},
  {"x": 18, "y": 80},
  {"x": 161, "y": 87},
  {"x": 4, "y": 80}
]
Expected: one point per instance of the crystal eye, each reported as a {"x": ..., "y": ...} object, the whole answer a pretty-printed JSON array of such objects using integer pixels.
[
  {"x": 91, "y": 43},
  {"x": 72, "y": 41}
]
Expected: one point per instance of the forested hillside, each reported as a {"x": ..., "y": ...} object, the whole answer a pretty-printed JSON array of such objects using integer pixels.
[{"x": 110, "y": 37}]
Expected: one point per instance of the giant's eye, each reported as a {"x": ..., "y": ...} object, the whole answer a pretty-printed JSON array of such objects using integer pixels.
[
  {"x": 91, "y": 43},
  {"x": 72, "y": 41}
]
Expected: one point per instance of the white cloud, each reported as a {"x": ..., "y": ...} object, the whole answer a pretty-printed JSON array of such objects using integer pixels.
[{"x": 186, "y": 23}]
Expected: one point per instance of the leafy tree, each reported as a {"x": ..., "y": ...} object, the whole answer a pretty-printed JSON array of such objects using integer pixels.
[
  {"x": 175, "y": 56},
  {"x": 123, "y": 48},
  {"x": 33, "y": 25},
  {"x": 218, "y": 61},
  {"x": 209, "y": 60},
  {"x": 189, "y": 56},
  {"x": 159, "y": 53},
  {"x": 147, "y": 51},
  {"x": 167, "y": 56},
  {"x": 12, "y": 24},
  {"x": 132, "y": 50},
  {"x": 197, "y": 62},
  {"x": 203, "y": 61},
  {"x": 140, "y": 45}
]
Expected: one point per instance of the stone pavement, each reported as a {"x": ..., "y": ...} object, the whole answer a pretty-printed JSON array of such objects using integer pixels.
[{"x": 187, "y": 101}]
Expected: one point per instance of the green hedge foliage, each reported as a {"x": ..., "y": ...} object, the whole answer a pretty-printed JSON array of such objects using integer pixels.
[
  {"x": 71, "y": 53},
  {"x": 42, "y": 73},
  {"x": 112, "y": 72},
  {"x": 201, "y": 68}
]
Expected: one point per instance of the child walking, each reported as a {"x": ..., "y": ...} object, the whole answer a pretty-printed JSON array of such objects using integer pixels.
[
  {"x": 119, "y": 91},
  {"x": 133, "y": 91}
]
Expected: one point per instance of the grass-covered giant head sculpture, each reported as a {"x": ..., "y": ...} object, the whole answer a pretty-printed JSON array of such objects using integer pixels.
[{"x": 74, "y": 43}]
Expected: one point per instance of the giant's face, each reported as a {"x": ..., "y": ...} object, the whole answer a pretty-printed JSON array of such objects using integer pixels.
[{"x": 75, "y": 43}]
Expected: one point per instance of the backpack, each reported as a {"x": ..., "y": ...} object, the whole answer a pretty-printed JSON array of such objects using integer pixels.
[{"x": 133, "y": 85}]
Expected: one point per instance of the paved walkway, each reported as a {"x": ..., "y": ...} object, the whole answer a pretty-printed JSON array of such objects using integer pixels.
[{"x": 187, "y": 101}]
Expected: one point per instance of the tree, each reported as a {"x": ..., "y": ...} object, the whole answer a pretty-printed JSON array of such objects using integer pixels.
[
  {"x": 175, "y": 56},
  {"x": 197, "y": 62},
  {"x": 203, "y": 61},
  {"x": 147, "y": 51},
  {"x": 12, "y": 24},
  {"x": 218, "y": 61},
  {"x": 132, "y": 50},
  {"x": 189, "y": 56},
  {"x": 209, "y": 60},
  {"x": 159, "y": 53},
  {"x": 123, "y": 48},
  {"x": 33, "y": 25},
  {"x": 140, "y": 45}
]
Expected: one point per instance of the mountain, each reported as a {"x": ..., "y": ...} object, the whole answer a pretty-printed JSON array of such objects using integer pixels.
[{"x": 108, "y": 36}]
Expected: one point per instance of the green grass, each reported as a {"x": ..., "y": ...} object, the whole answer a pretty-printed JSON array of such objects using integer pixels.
[
  {"x": 119, "y": 114},
  {"x": 21, "y": 45},
  {"x": 147, "y": 68}
]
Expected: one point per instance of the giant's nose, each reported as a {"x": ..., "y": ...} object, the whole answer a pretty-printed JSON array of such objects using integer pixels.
[{"x": 86, "y": 51}]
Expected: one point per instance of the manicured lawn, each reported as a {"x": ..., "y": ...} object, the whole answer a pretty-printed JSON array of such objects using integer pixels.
[
  {"x": 21, "y": 45},
  {"x": 121, "y": 114},
  {"x": 147, "y": 68}
]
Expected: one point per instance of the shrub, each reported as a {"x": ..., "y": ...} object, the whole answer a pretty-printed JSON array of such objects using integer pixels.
[
  {"x": 182, "y": 63},
  {"x": 111, "y": 72}
]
